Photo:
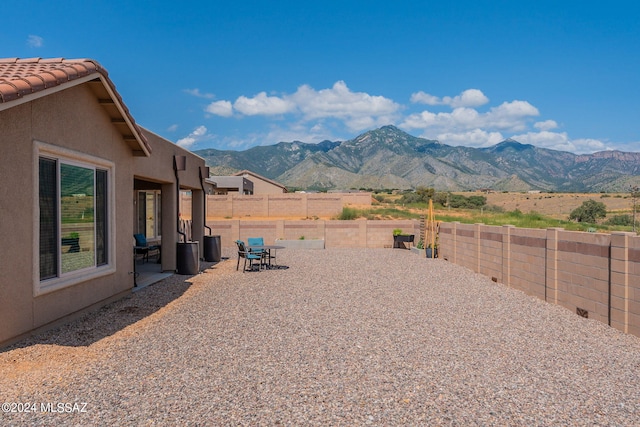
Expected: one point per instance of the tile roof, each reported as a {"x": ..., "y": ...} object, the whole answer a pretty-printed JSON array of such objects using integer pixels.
[
  {"x": 19, "y": 77},
  {"x": 22, "y": 78}
]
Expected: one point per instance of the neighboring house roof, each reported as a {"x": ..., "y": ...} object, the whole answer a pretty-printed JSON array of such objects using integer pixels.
[
  {"x": 23, "y": 80},
  {"x": 248, "y": 172}
]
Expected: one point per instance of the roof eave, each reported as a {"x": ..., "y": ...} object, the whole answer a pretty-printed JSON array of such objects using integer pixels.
[
  {"x": 136, "y": 140},
  {"x": 143, "y": 143}
]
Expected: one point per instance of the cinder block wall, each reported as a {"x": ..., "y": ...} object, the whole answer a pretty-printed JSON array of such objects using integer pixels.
[
  {"x": 219, "y": 206},
  {"x": 302, "y": 205},
  {"x": 335, "y": 233},
  {"x": 583, "y": 272},
  {"x": 592, "y": 274},
  {"x": 526, "y": 254},
  {"x": 323, "y": 205}
]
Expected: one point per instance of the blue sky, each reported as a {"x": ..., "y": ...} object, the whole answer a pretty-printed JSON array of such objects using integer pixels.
[{"x": 231, "y": 75}]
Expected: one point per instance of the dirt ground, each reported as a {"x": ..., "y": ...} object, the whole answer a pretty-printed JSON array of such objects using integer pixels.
[
  {"x": 555, "y": 205},
  {"x": 558, "y": 205}
]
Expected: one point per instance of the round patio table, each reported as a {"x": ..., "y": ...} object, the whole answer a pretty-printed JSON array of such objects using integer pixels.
[{"x": 267, "y": 248}]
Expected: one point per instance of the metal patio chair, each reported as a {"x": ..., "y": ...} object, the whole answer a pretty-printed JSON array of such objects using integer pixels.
[{"x": 243, "y": 252}]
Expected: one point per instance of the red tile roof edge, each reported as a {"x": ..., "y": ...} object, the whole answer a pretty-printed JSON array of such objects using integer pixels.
[{"x": 25, "y": 76}]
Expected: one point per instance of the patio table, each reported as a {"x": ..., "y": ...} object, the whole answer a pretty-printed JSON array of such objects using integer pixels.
[{"x": 267, "y": 248}]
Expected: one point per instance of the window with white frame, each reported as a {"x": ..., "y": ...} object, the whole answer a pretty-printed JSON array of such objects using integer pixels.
[{"x": 74, "y": 218}]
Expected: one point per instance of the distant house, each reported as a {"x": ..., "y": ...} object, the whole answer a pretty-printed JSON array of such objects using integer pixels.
[
  {"x": 262, "y": 185},
  {"x": 64, "y": 132},
  {"x": 232, "y": 185},
  {"x": 247, "y": 183}
]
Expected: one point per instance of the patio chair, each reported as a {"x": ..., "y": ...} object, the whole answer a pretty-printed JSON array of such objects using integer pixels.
[
  {"x": 259, "y": 241},
  {"x": 143, "y": 248},
  {"x": 248, "y": 256}
]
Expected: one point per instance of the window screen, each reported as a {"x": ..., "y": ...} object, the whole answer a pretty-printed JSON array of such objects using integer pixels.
[{"x": 48, "y": 218}]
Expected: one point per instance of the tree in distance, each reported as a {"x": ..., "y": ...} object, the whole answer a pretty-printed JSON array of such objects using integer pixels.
[{"x": 590, "y": 211}]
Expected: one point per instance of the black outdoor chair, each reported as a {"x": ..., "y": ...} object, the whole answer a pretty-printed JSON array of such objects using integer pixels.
[{"x": 143, "y": 248}]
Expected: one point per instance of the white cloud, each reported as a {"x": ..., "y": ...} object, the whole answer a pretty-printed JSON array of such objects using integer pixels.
[
  {"x": 356, "y": 110},
  {"x": 220, "y": 108},
  {"x": 546, "y": 125},
  {"x": 337, "y": 112},
  {"x": 545, "y": 139},
  {"x": 561, "y": 141},
  {"x": 512, "y": 116},
  {"x": 474, "y": 138},
  {"x": 359, "y": 110},
  {"x": 35, "y": 41},
  {"x": 196, "y": 92},
  {"x": 589, "y": 145},
  {"x": 262, "y": 104},
  {"x": 199, "y": 134},
  {"x": 424, "y": 98},
  {"x": 468, "y": 98},
  {"x": 172, "y": 128}
]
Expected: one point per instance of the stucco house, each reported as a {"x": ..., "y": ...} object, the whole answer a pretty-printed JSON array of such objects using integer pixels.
[
  {"x": 262, "y": 185},
  {"x": 79, "y": 178},
  {"x": 232, "y": 185}
]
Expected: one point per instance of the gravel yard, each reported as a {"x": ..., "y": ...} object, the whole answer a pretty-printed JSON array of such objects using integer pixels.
[{"x": 341, "y": 337}]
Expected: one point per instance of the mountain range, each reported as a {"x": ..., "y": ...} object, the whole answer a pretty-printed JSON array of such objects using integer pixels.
[{"x": 388, "y": 157}]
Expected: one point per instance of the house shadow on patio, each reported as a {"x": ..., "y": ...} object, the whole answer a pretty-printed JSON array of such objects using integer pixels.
[{"x": 94, "y": 325}]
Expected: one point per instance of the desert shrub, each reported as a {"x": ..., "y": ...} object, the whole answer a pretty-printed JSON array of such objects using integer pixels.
[
  {"x": 624, "y": 220},
  {"x": 348, "y": 214},
  {"x": 494, "y": 209},
  {"x": 471, "y": 202},
  {"x": 516, "y": 213},
  {"x": 590, "y": 211},
  {"x": 420, "y": 195}
]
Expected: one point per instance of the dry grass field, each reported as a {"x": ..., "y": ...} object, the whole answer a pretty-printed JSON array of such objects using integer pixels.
[
  {"x": 555, "y": 205},
  {"x": 558, "y": 205}
]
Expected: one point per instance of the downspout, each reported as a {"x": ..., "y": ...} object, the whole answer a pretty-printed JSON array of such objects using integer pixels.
[
  {"x": 204, "y": 192},
  {"x": 179, "y": 164}
]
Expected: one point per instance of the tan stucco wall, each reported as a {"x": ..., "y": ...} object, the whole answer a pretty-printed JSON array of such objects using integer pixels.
[
  {"x": 159, "y": 168},
  {"x": 72, "y": 119},
  {"x": 263, "y": 187},
  {"x": 16, "y": 227}
]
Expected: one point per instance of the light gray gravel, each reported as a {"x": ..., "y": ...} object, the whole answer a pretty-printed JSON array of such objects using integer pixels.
[{"x": 341, "y": 337}]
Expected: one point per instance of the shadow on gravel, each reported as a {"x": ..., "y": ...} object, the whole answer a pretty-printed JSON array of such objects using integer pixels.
[{"x": 100, "y": 323}]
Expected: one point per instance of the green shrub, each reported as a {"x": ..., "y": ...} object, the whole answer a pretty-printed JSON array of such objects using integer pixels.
[
  {"x": 623, "y": 220},
  {"x": 590, "y": 211},
  {"x": 348, "y": 214}
]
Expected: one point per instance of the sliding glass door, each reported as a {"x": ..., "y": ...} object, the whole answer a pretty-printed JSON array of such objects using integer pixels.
[{"x": 149, "y": 214}]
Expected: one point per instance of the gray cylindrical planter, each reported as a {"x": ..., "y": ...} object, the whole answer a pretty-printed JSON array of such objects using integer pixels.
[
  {"x": 188, "y": 261},
  {"x": 212, "y": 248},
  {"x": 432, "y": 253}
]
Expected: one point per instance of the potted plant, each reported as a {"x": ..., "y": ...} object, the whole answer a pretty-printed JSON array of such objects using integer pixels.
[
  {"x": 432, "y": 250},
  {"x": 418, "y": 248},
  {"x": 399, "y": 239}
]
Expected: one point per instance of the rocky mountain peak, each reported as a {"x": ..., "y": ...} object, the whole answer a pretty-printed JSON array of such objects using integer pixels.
[{"x": 391, "y": 158}]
